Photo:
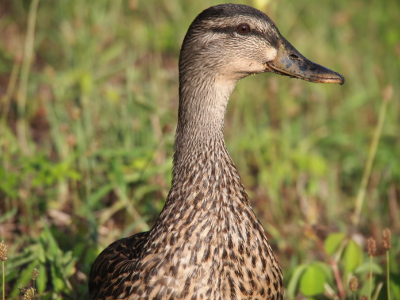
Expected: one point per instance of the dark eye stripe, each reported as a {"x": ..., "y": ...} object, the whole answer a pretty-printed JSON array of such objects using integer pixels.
[
  {"x": 231, "y": 30},
  {"x": 271, "y": 38}
]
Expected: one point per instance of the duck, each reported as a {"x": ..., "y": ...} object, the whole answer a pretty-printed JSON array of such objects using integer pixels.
[{"x": 207, "y": 242}]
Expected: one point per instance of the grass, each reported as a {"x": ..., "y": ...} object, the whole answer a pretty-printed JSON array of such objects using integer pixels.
[{"x": 87, "y": 124}]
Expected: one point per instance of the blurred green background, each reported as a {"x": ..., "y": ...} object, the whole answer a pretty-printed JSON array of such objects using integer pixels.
[{"x": 89, "y": 97}]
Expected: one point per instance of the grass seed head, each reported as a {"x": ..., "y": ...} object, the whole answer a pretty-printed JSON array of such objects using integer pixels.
[
  {"x": 29, "y": 294},
  {"x": 3, "y": 251},
  {"x": 35, "y": 274},
  {"x": 371, "y": 246},
  {"x": 353, "y": 284},
  {"x": 387, "y": 239},
  {"x": 21, "y": 288}
]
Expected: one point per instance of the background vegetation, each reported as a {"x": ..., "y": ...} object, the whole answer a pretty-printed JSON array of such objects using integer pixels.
[{"x": 88, "y": 113}]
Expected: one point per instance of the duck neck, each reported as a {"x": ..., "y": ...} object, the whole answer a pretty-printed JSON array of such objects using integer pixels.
[
  {"x": 205, "y": 180},
  {"x": 201, "y": 115},
  {"x": 199, "y": 133}
]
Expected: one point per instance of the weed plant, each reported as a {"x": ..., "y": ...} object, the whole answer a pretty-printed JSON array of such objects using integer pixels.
[{"x": 89, "y": 96}]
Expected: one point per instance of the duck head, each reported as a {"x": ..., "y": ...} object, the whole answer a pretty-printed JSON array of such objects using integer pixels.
[{"x": 232, "y": 41}]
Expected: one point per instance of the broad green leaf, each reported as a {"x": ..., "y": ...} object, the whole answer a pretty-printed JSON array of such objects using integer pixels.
[
  {"x": 41, "y": 253},
  {"x": 312, "y": 281},
  {"x": 352, "y": 257},
  {"x": 327, "y": 269},
  {"x": 333, "y": 242},
  {"x": 365, "y": 268},
  {"x": 41, "y": 281},
  {"x": 294, "y": 281},
  {"x": 57, "y": 280}
]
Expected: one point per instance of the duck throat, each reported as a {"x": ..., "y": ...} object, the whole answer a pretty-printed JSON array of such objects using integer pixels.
[{"x": 202, "y": 105}]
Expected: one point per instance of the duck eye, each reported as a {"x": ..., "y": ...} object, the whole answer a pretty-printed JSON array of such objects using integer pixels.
[{"x": 243, "y": 28}]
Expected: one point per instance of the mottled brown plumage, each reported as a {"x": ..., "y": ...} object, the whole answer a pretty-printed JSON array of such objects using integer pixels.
[{"x": 207, "y": 242}]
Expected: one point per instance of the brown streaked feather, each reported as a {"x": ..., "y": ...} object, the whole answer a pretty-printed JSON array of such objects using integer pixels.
[{"x": 122, "y": 255}]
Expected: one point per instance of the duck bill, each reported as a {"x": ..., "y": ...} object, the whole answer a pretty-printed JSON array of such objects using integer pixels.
[{"x": 290, "y": 62}]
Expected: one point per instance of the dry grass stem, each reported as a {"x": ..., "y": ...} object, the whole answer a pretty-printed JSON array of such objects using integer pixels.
[
  {"x": 3, "y": 258},
  {"x": 25, "y": 70},
  {"x": 387, "y": 244},
  {"x": 371, "y": 155},
  {"x": 371, "y": 249}
]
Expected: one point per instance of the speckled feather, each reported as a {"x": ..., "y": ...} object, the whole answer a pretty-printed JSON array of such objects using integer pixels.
[{"x": 207, "y": 242}]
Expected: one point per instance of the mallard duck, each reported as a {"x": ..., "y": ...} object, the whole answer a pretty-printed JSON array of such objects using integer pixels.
[{"x": 207, "y": 243}]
